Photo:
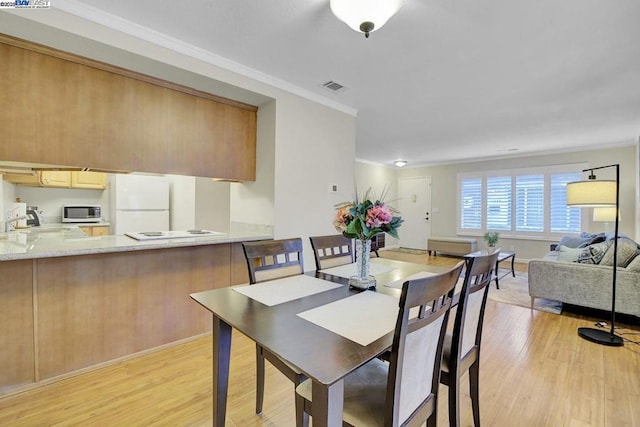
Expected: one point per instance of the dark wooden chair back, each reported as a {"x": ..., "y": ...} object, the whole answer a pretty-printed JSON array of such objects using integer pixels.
[
  {"x": 416, "y": 353},
  {"x": 332, "y": 251},
  {"x": 404, "y": 391},
  {"x": 473, "y": 298},
  {"x": 273, "y": 259},
  {"x": 268, "y": 260},
  {"x": 462, "y": 348}
]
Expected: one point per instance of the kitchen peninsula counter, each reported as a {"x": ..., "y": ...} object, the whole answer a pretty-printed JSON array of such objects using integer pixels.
[
  {"x": 71, "y": 302},
  {"x": 59, "y": 241}
]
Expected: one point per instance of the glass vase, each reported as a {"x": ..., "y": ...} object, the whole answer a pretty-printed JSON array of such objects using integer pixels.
[{"x": 363, "y": 280}]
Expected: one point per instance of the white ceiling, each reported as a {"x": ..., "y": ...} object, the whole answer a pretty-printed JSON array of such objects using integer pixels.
[{"x": 444, "y": 80}]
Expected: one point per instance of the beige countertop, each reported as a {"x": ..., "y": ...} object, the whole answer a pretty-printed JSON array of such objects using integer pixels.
[{"x": 56, "y": 240}]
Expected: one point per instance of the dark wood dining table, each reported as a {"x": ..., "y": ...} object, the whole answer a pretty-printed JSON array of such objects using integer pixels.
[{"x": 324, "y": 356}]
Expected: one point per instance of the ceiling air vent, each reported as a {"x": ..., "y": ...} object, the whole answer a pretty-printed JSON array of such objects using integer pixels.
[{"x": 333, "y": 86}]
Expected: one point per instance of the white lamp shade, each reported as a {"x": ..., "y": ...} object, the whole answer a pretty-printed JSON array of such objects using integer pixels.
[
  {"x": 591, "y": 193},
  {"x": 605, "y": 214},
  {"x": 355, "y": 12}
]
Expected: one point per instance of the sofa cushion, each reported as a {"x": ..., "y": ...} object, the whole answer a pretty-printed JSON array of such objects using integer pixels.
[
  {"x": 634, "y": 265},
  {"x": 592, "y": 254},
  {"x": 574, "y": 242},
  {"x": 627, "y": 250},
  {"x": 568, "y": 254},
  {"x": 595, "y": 238}
]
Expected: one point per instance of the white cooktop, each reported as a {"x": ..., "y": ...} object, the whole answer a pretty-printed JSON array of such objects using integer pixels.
[{"x": 175, "y": 234}]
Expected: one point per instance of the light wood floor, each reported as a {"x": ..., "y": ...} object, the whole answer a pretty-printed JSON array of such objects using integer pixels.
[{"x": 535, "y": 371}]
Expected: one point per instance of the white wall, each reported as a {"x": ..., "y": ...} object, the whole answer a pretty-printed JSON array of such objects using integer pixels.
[
  {"x": 252, "y": 203},
  {"x": 315, "y": 148},
  {"x": 6, "y": 198},
  {"x": 378, "y": 178},
  {"x": 182, "y": 202},
  {"x": 212, "y": 205},
  {"x": 637, "y": 179}
]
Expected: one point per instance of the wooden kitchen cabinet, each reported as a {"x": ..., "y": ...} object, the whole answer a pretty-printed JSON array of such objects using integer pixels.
[
  {"x": 17, "y": 359},
  {"x": 133, "y": 122},
  {"x": 55, "y": 179},
  {"x": 96, "y": 230},
  {"x": 100, "y": 307},
  {"x": 90, "y": 180},
  {"x": 61, "y": 179}
]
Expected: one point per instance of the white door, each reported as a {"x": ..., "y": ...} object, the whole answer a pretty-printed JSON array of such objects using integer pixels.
[{"x": 415, "y": 209}]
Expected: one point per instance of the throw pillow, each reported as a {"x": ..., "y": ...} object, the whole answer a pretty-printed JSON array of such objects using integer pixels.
[
  {"x": 574, "y": 242},
  {"x": 568, "y": 254},
  {"x": 597, "y": 239},
  {"x": 634, "y": 265},
  {"x": 627, "y": 250},
  {"x": 592, "y": 254}
]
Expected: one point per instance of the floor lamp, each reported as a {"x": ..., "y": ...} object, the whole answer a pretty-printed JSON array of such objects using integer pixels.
[{"x": 600, "y": 193}]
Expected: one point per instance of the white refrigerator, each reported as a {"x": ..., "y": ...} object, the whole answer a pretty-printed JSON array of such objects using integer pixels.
[{"x": 139, "y": 203}]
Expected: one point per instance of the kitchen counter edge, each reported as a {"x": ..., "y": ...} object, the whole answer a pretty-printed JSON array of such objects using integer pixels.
[{"x": 122, "y": 243}]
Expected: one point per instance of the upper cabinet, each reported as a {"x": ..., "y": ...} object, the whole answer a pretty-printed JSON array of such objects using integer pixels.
[
  {"x": 91, "y": 180},
  {"x": 55, "y": 179},
  {"x": 61, "y": 179},
  {"x": 61, "y": 109}
]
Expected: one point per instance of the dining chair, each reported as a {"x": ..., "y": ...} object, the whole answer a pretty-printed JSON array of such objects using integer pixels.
[
  {"x": 404, "y": 391},
  {"x": 268, "y": 260},
  {"x": 332, "y": 251},
  {"x": 462, "y": 347}
]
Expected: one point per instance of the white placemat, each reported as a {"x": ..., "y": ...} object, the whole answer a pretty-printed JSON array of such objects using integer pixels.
[
  {"x": 398, "y": 283},
  {"x": 349, "y": 270},
  {"x": 362, "y": 318},
  {"x": 278, "y": 291}
]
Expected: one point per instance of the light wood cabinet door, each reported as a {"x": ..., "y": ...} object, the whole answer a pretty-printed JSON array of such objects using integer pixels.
[
  {"x": 55, "y": 179},
  {"x": 87, "y": 230},
  {"x": 61, "y": 179},
  {"x": 29, "y": 180},
  {"x": 91, "y": 180},
  {"x": 99, "y": 230}
]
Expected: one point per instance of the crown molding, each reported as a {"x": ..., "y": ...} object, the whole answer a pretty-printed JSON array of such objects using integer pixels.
[{"x": 132, "y": 29}]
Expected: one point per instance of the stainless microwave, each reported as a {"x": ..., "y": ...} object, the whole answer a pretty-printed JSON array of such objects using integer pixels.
[{"x": 81, "y": 213}]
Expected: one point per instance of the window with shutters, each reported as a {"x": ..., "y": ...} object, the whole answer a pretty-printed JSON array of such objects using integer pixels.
[
  {"x": 499, "y": 202},
  {"x": 518, "y": 203},
  {"x": 471, "y": 203}
]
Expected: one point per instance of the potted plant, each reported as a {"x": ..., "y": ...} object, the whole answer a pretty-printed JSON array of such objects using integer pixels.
[{"x": 492, "y": 238}]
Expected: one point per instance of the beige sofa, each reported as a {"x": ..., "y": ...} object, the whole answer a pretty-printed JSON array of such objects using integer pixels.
[{"x": 587, "y": 285}]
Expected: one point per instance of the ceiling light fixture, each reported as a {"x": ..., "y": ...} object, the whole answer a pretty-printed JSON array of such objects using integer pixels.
[
  {"x": 400, "y": 163},
  {"x": 365, "y": 16}
]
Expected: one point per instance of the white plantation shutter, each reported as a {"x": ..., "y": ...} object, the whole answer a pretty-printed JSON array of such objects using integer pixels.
[
  {"x": 499, "y": 203},
  {"x": 519, "y": 203},
  {"x": 471, "y": 203},
  {"x": 563, "y": 218},
  {"x": 530, "y": 203}
]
